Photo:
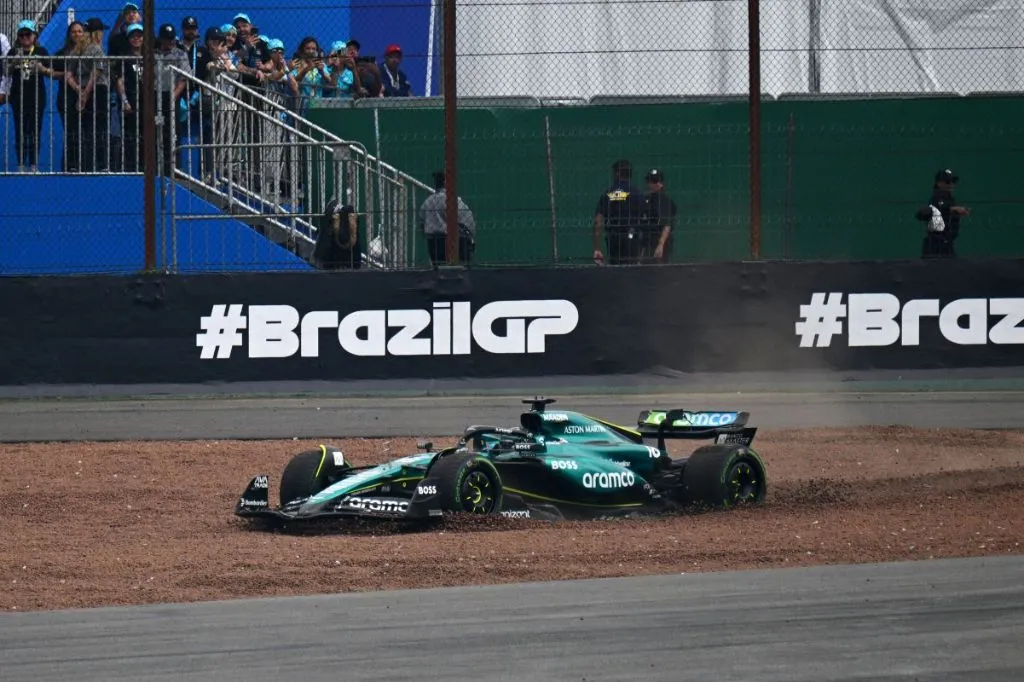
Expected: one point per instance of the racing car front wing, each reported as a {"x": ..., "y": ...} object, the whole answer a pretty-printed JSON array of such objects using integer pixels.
[{"x": 255, "y": 504}]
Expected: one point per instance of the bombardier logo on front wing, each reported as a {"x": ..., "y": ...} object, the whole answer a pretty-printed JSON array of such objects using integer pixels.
[{"x": 448, "y": 328}]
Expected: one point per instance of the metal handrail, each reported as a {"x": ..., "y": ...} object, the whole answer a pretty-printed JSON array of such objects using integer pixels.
[
  {"x": 353, "y": 167},
  {"x": 293, "y": 234},
  {"x": 326, "y": 133}
]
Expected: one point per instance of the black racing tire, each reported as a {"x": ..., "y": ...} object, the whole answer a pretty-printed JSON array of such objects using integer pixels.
[
  {"x": 304, "y": 475},
  {"x": 723, "y": 477},
  {"x": 467, "y": 483}
]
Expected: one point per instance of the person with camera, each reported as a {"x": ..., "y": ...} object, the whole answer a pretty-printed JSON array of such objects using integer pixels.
[
  {"x": 279, "y": 75},
  {"x": 368, "y": 81},
  {"x": 342, "y": 77},
  {"x": 337, "y": 238},
  {"x": 251, "y": 50},
  {"x": 311, "y": 72}
]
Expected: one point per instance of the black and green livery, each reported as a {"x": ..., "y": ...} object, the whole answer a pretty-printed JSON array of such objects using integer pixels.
[{"x": 553, "y": 465}]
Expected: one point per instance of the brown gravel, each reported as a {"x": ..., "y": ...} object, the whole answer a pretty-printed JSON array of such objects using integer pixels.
[{"x": 91, "y": 524}]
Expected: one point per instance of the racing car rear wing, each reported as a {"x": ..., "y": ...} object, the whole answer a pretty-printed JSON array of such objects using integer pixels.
[{"x": 726, "y": 428}]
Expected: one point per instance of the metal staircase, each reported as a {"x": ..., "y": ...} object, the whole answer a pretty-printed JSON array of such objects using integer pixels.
[{"x": 248, "y": 153}]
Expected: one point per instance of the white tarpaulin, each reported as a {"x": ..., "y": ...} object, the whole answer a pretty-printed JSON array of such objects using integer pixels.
[
  {"x": 921, "y": 45},
  {"x": 583, "y": 48}
]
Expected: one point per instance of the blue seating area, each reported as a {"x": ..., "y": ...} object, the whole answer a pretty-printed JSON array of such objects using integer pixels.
[
  {"x": 98, "y": 228},
  {"x": 77, "y": 224},
  {"x": 375, "y": 23}
]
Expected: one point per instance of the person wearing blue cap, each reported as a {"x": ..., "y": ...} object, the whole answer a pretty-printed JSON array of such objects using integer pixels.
[
  {"x": 341, "y": 72},
  {"x": 252, "y": 52},
  {"x": 117, "y": 43},
  {"x": 279, "y": 76},
  {"x": 252, "y": 55},
  {"x": 118, "y": 46},
  {"x": 128, "y": 86},
  {"x": 28, "y": 93},
  {"x": 230, "y": 40}
]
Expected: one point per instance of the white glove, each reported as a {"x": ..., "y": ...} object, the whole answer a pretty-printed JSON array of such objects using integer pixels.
[{"x": 936, "y": 224}]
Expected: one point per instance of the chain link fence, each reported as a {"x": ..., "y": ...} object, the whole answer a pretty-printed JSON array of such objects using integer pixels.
[
  {"x": 596, "y": 49},
  {"x": 862, "y": 102}
]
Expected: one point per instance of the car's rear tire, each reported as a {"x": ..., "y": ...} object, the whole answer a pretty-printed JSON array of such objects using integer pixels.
[
  {"x": 467, "y": 484},
  {"x": 724, "y": 476},
  {"x": 305, "y": 475}
]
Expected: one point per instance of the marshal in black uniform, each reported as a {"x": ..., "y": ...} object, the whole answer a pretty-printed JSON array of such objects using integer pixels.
[
  {"x": 944, "y": 228},
  {"x": 618, "y": 218},
  {"x": 659, "y": 220}
]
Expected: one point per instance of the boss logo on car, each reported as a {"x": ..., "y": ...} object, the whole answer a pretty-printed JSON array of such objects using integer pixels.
[
  {"x": 563, "y": 464},
  {"x": 426, "y": 490},
  {"x": 615, "y": 479},
  {"x": 381, "y": 504}
]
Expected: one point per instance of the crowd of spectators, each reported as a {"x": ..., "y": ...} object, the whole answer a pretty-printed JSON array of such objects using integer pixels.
[{"x": 98, "y": 94}]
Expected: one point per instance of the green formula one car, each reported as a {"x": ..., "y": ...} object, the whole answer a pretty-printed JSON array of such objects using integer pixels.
[{"x": 554, "y": 465}]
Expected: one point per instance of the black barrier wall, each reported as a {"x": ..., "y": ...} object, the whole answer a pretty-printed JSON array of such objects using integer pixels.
[{"x": 363, "y": 325}]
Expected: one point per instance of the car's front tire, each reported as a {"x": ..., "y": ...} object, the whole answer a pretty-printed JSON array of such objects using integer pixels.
[
  {"x": 467, "y": 483},
  {"x": 305, "y": 475}
]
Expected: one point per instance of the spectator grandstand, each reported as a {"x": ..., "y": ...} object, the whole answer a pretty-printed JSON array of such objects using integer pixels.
[{"x": 242, "y": 89}]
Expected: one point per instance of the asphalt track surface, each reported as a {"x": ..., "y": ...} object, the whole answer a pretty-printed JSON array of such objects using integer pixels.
[
  {"x": 963, "y": 398},
  {"x": 323, "y": 417},
  {"x": 946, "y": 620},
  {"x": 940, "y": 620}
]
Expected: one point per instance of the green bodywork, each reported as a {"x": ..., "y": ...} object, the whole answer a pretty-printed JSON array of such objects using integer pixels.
[
  {"x": 559, "y": 457},
  {"x": 555, "y": 464}
]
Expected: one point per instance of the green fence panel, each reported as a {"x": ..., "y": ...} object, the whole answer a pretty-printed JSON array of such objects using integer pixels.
[{"x": 840, "y": 179}]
